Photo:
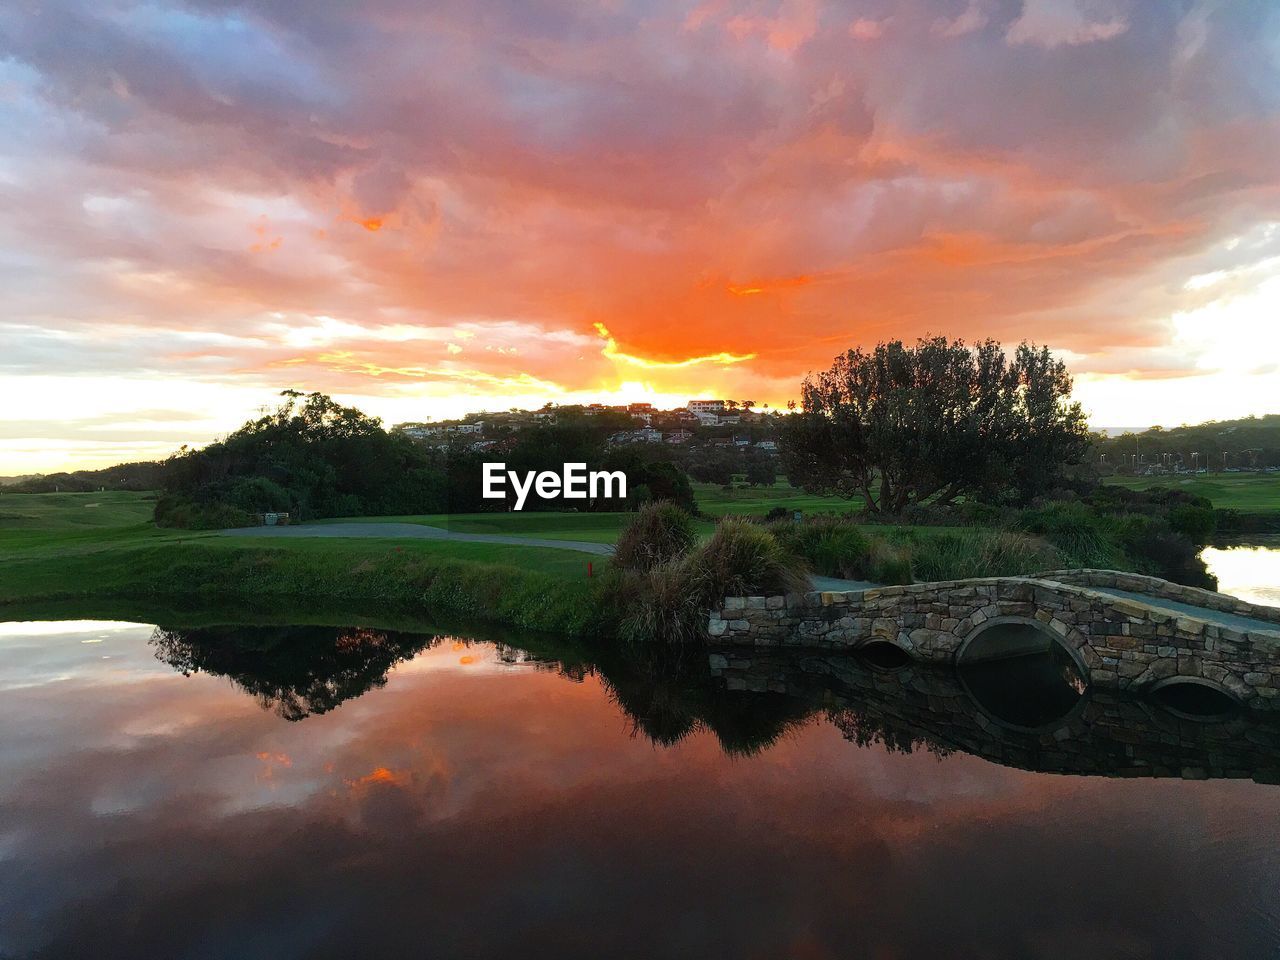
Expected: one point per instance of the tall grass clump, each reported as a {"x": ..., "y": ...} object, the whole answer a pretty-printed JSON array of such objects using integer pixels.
[
  {"x": 890, "y": 563},
  {"x": 744, "y": 559},
  {"x": 660, "y": 531},
  {"x": 970, "y": 553},
  {"x": 661, "y": 603},
  {"x": 834, "y": 547},
  {"x": 1081, "y": 534},
  {"x": 669, "y": 600}
]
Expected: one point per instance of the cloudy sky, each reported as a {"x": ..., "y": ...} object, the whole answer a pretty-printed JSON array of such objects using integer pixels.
[{"x": 426, "y": 208}]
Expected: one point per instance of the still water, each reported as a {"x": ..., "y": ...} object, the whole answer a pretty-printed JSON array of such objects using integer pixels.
[
  {"x": 340, "y": 792},
  {"x": 1249, "y": 571}
]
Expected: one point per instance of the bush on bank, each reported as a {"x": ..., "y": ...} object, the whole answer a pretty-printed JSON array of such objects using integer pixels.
[
  {"x": 660, "y": 532},
  {"x": 668, "y": 599},
  {"x": 1160, "y": 535}
]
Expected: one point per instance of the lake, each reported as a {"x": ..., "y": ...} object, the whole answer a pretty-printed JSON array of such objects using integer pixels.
[{"x": 315, "y": 792}]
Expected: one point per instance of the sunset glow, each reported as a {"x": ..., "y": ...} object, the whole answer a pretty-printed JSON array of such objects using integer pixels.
[{"x": 204, "y": 204}]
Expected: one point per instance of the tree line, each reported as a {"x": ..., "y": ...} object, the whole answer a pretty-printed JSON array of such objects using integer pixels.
[
  {"x": 894, "y": 427},
  {"x": 313, "y": 457}
]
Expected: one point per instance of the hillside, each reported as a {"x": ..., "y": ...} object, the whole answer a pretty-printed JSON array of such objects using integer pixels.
[
  {"x": 144, "y": 475},
  {"x": 1251, "y": 443}
]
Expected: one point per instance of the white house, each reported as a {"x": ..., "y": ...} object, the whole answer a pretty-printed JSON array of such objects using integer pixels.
[{"x": 705, "y": 406}]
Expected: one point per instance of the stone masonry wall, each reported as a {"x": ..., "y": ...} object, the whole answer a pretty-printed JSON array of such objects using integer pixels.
[
  {"x": 1118, "y": 642},
  {"x": 1155, "y": 587}
]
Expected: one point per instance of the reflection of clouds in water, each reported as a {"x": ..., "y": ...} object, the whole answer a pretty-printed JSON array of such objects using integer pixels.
[
  {"x": 1250, "y": 573},
  {"x": 490, "y": 813}
]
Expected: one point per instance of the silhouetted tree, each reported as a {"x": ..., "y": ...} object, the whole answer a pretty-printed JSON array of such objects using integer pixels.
[{"x": 936, "y": 421}]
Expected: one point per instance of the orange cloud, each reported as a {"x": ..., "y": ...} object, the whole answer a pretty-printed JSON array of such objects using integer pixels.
[
  {"x": 380, "y": 776},
  {"x": 612, "y": 352}
]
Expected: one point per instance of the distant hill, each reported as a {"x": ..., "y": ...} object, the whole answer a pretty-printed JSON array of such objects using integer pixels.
[
  {"x": 1251, "y": 443},
  {"x": 144, "y": 475}
]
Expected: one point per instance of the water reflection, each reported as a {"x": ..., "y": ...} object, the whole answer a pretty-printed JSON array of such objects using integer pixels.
[
  {"x": 1250, "y": 571},
  {"x": 530, "y": 800},
  {"x": 1028, "y": 692},
  {"x": 294, "y": 671},
  {"x": 1031, "y": 711}
]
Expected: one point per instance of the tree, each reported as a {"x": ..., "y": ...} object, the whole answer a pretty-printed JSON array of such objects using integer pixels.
[
  {"x": 934, "y": 422},
  {"x": 761, "y": 470},
  {"x": 311, "y": 457}
]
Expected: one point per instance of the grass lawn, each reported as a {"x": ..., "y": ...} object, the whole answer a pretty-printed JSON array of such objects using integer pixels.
[
  {"x": 760, "y": 500},
  {"x": 1246, "y": 492},
  {"x": 590, "y": 527},
  {"x": 78, "y": 547},
  {"x": 605, "y": 527},
  {"x": 74, "y": 511}
]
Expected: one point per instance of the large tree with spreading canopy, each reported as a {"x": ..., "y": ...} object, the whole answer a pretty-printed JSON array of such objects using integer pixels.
[{"x": 900, "y": 425}]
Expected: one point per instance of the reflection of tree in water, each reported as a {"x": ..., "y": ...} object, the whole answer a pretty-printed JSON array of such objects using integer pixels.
[
  {"x": 294, "y": 671},
  {"x": 865, "y": 728},
  {"x": 669, "y": 693}
]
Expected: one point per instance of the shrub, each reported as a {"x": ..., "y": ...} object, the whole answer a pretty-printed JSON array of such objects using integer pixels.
[
  {"x": 171, "y": 511},
  {"x": 658, "y": 533},
  {"x": 982, "y": 553},
  {"x": 834, "y": 547},
  {"x": 661, "y": 603},
  {"x": 889, "y": 563},
  {"x": 744, "y": 559},
  {"x": 260, "y": 495},
  {"x": 1080, "y": 533},
  {"x": 669, "y": 600},
  {"x": 1193, "y": 521}
]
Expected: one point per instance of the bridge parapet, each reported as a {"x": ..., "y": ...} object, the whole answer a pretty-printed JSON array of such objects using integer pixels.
[
  {"x": 1164, "y": 590},
  {"x": 1119, "y": 642}
]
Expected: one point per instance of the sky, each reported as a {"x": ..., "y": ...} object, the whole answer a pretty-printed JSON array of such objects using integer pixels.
[{"x": 426, "y": 209}]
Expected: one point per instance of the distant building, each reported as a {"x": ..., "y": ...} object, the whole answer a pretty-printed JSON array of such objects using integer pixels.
[
  {"x": 640, "y": 408},
  {"x": 705, "y": 406},
  {"x": 679, "y": 436},
  {"x": 420, "y": 431},
  {"x": 647, "y": 435}
]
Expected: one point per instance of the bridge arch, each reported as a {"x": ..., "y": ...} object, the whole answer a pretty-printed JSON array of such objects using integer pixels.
[
  {"x": 1216, "y": 700},
  {"x": 885, "y": 654},
  {"x": 990, "y": 633}
]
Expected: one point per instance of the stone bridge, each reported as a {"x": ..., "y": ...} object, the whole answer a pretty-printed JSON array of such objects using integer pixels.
[{"x": 1124, "y": 631}]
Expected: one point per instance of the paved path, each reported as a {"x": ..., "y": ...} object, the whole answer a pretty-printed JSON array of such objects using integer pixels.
[
  {"x": 1200, "y": 613},
  {"x": 836, "y": 585},
  {"x": 415, "y": 531}
]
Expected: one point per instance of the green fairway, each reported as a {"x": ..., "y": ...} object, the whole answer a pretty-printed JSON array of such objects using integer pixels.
[
  {"x": 1246, "y": 492},
  {"x": 74, "y": 511},
  {"x": 102, "y": 547},
  {"x": 714, "y": 502},
  {"x": 717, "y": 502},
  {"x": 592, "y": 527}
]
